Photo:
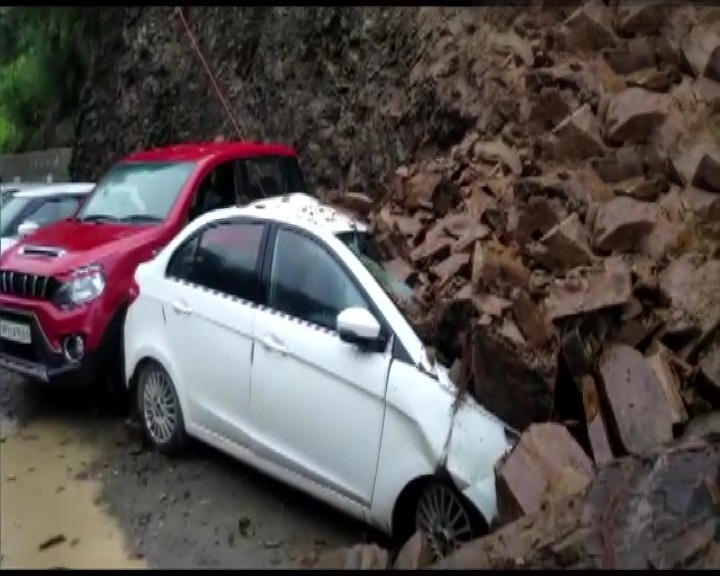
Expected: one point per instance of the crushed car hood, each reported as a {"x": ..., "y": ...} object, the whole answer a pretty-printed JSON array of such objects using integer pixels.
[{"x": 69, "y": 244}]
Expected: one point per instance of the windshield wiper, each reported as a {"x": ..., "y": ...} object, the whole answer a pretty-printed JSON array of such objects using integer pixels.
[
  {"x": 141, "y": 218},
  {"x": 98, "y": 218}
]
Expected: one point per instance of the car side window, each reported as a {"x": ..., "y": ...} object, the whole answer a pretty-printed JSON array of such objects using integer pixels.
[
  {"x": 308, "y": 283},
  {"x": 217, "y": 190},
  {"x": 224, "y": 259},
  {"x": 181, "y": 262}
]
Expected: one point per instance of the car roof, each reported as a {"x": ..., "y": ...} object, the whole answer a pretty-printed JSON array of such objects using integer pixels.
[
  {"x": 204, "y": 150},
  {"x": 56, "y": 189},
  {"x": 19, "y": 186},
  {"x": 298, "y": 209}
]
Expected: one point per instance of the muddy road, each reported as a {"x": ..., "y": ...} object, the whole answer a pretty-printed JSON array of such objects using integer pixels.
[{"x": 77, "y": 490}]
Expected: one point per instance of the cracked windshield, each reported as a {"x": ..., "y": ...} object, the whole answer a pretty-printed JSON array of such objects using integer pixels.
[{"x": 192, "y": 375}]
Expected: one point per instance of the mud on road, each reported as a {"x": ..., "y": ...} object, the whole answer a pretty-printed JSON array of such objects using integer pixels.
[{"x": 77, "y": 490}]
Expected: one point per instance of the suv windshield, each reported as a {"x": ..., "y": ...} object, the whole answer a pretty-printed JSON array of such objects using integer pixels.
[
  {"x": 136, "y": 192},
  {"x": 362, "y": 245}
]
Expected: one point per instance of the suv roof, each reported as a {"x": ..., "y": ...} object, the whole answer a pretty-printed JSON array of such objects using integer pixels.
[
  {"x": 204, "y": 150},
  {"x": 299, "y": 209}
]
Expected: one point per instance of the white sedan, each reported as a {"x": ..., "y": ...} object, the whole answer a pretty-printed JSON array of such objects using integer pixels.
[
  {"x": 267, "y": 332},
  {"x": 28, "y": 207}
]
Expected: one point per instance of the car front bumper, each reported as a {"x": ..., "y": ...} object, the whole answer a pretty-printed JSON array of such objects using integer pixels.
[
  {"x": 483, "y": 496},
  {"x": 39, "y": 360}
]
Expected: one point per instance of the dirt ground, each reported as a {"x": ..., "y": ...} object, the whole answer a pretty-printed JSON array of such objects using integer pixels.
[{"x": 77, "y": 490}]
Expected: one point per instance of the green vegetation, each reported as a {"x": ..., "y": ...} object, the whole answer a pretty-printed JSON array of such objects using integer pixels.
[{"x": 42, "y": 64}]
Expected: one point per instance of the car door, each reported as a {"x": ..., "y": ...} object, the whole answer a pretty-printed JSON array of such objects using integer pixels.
[
  {"x": 317, "y": 402},
  {"x": 210, "y": 311}
]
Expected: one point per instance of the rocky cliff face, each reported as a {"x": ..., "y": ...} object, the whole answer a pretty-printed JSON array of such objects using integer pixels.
[{"x": 357, "y": 90}]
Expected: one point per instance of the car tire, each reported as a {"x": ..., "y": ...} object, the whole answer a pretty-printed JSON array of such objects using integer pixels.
[
  {"x": 159, "y": 410},
  {"x": 437, "y": 505}
]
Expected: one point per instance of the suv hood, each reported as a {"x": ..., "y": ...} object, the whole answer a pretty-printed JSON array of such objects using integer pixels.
[{"x": 70, "y": 244}]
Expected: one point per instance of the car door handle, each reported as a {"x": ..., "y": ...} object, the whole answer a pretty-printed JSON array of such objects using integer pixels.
[
  {"x": 272, "y": 344},
  {"x": 181, "y": 307}
]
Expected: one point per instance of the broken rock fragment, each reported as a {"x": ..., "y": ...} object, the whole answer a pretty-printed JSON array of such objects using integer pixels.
[
  {"x": 621, "y": 164},
  {"x": 633, "y": 114},
  {"x": 657, "y": 511},
  {"x": 643, "y": 18},
  {"x": 654, "y": 79},
  {"x": 578, "y": 137},
  {"x": 415, "y": 554},
  {"x": 691, "y": 284},
  {"x": 537, "y": 217},
  {"x": 590, "y": 290},
  {"x": 641, "y": 188},
  {"x": 358, "y": 557},
  {"x": 660, "y": 364},
  {"x": 431, "y": 190},
  {"x": 589, "y": 28},
  {"x": 452, "y": 265},
  {"x": 705, "y": 206},
  {"x": 495, "y": 266},
  {"x": 701, "y": 50},
  {"x": 637, "y": 54},
  {"x": 622, "y": 223},
  {"x": 510, "y": 379},
  {"x": 697, "y": 163},
  {"x": 531, "y": 320},
  {"x": 496, "y": 151},
  {"x": 545, "y": 465},
  {"x": 597, "y": 429},
  {"x": 638, "y": 405},
  {"x": 704, "y": 424},
  {"x": 709, "y": 365},
  {"x": 564, "y": 247}
]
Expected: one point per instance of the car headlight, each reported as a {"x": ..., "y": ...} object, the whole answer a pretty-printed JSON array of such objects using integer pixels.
[{"x": 84, "y": 285}]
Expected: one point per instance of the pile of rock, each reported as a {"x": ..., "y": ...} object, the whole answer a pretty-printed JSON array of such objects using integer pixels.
[
  {"x": 584, "y": 238},
  {"x": 568, "y": 266}
]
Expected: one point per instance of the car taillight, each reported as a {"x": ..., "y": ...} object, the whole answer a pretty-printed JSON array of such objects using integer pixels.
[{"x": 133, "y": 291}]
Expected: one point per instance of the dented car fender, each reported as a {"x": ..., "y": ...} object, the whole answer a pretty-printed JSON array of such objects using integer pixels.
[{"x": 453, "y": 433}]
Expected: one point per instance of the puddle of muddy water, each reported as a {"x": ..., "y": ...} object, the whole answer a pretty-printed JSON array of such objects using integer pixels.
[{"x": 41, "y": 500}]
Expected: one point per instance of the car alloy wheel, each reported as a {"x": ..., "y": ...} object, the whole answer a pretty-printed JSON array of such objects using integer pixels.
[
  {"x": 442, "y": 516},
  {"x": 159, "y": 407}
]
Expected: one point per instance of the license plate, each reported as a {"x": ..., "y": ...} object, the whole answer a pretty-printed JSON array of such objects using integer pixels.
[{"x": 15, "y": 332}]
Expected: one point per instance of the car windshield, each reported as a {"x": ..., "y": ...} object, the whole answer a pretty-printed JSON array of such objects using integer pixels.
[
  {"x": 6, "y": 195},
  {"x": 361, "y": 243},
  {"x": 9, "y": 213},
  {"x": 136, "y": 192}
]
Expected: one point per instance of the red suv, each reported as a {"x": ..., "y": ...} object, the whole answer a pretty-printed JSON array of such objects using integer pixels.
[{"x": 64, "y": 289}]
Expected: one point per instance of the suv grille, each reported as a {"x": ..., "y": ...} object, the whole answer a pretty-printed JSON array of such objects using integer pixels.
[{"x": 27, "y": 285}]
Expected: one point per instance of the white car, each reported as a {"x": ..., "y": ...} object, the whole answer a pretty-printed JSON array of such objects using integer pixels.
[
  {"x": 266, "y": 331},
  {"x": 32, "y": 206}
]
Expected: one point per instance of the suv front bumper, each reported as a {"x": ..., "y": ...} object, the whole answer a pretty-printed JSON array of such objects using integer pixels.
[{"x": 39, "y": 359}]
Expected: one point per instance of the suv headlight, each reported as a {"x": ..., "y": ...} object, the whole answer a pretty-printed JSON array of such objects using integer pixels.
[{"x": 84, "y": 285}]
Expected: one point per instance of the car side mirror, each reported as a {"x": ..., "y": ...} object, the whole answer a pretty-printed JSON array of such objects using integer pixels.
[
  {"x": 27, "y": 228},
  {"x": 358, "y": 326}
]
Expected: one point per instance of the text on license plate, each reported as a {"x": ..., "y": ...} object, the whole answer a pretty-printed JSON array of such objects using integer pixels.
[{"x": 15, "y": 332}]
